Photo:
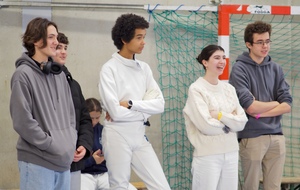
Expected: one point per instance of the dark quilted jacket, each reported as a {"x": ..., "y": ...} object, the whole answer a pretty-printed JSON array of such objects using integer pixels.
[{"x": 83, "y": 121}]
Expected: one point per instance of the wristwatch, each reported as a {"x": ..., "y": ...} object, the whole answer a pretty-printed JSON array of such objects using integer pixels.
[{"x": 129, "y": 104}]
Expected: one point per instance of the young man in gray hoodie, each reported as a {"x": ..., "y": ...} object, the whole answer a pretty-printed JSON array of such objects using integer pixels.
[
  {"x": 264, "y": 94},
  {"x": 42, "y": 112}
]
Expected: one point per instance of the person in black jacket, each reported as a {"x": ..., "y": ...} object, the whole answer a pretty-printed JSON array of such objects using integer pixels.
[
  {"x": 95, "y": 176},
  {"x": 83, "y": 121}
]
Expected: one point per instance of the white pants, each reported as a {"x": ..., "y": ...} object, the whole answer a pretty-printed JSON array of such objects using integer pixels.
[
  {"x": 97, "y": 182},
  {"x": 128, "y": 147},
  {"x": 215, "y": 172}
]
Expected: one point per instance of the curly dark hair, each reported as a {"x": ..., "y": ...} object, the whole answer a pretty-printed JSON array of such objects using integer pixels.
[
  {"x": 62, "y": 38},
  {"x": 35, "y": 31},
  {"x": 259, "y": 27},
  {"x": 207, "y": 52},
  {"x": 124, "y": 28}
]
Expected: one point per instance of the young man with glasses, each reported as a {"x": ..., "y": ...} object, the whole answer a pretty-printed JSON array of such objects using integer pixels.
[{"x": 264, "y": 94}]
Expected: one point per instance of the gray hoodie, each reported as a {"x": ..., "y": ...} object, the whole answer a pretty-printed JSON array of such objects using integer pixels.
[
  {"x": 266, "y": 83},
  {"x": 43, "y": 115}
]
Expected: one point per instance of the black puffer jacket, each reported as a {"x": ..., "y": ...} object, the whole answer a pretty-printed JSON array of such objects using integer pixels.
[{"x": 83, "y": 121}]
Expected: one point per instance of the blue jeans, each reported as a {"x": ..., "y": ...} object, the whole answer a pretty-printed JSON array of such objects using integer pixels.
[{"x": 34, "y": 177}]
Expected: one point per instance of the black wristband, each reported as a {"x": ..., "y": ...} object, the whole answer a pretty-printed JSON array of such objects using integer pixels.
[
  {"x": 226, "y": 129},
  {"x": 129, "y": 104}
]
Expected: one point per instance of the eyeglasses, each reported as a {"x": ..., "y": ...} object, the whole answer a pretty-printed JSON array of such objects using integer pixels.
[{"x": 262, "y": 43}]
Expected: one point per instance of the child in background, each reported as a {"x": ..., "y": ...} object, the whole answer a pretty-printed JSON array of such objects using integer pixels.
[{"x": 94, "y": 176}]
